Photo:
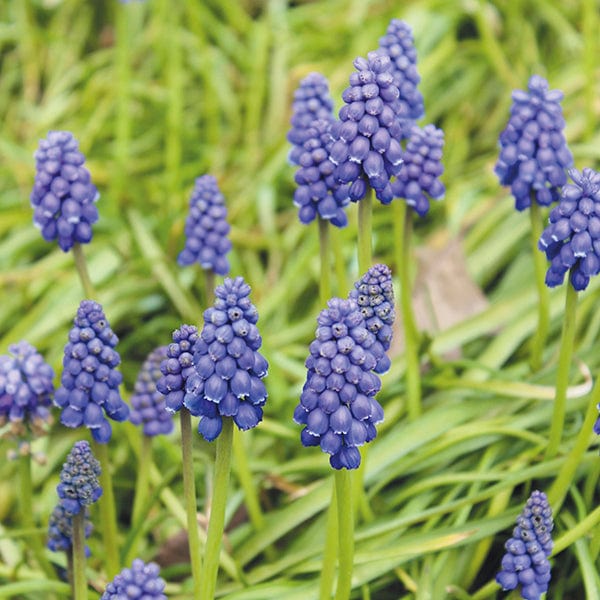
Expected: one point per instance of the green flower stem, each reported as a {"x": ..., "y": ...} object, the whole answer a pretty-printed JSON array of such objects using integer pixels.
[
  {"x": 209, "y": 287},
  {"x": 330, "y": 550},
  {"x": 80, "y": 588},
  {"x": 28, "y": 520},
  {"x": 216, "y": 523},
  {"x": 189, "y": 494},
  {"x": 108, "y": 512},
  {"x": 562, "y": 376},
  {"x": 142, "y": 488},
  {"x": 343, "y": 487},
  {"x": 365, "y": 226},
  {"x": 324, "y": 248},
  {"x": 82, "y": 270},
  {"x": 403, "y": 235},
  {"x": 538, "y": 340}
]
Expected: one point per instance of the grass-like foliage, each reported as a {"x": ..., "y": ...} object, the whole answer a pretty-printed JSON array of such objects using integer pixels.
[{"x": 160, "y": 92}]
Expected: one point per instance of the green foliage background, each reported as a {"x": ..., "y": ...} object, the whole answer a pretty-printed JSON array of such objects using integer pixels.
[{"x": 160, "y": 92}]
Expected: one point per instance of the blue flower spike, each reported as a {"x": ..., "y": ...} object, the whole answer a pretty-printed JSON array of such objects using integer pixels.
[
  {"x": 142, "y": 581},
  {"x": 63, "y": 195},
  {"x": 89, "y": 392},
  {"x": 206, "y": 228},
  {"x": 337, "y": 406},
  {"x": 60, "y": 530},
  {"x": 572, "y": 239},
  {"x": 228, "y": 367},
  {"x": 534, "y": 156},
  {"x": 525, "y": 563}
]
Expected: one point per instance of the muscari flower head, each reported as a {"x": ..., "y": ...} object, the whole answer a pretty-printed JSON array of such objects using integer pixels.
[
  {"x": 311, "y": 102},
  {"x": 572, "y": 239},
  {"x": 366, "y": 150},
  {"x": 63, "y": 195},
  {"x": 337, "y": 406},
  {"x": 79, "y": 485},
  {"x": 418, "y": 179},
  {"x": 318, "y": 192},
  {"x": 89, "y": 390},
  {"x": 526, "y": 562},
  {"x": 26, "y": 390},
  {"x": 229, "y": 369},
  {"x": 206, "y": 228},
  {"x": 177, "y": 367},
  {"x": 534, "y": 154},
  {"x": 374, "y": 294},
  {"x": 60, "y": 529},
  {"x": 141, "y": 582},
  {"x": 147, "y": 403}
]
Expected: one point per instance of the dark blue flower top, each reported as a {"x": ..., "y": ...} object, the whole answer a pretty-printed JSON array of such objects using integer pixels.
[{"x": 142, "y": 581}]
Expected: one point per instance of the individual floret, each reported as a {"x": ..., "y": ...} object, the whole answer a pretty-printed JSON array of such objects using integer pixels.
[
  {"x": 141, "y": 582},
  {"x": 534, "y": 155},
  {"x": 229, "y": 369},
  {"x": 89, "y": 391},
  {"x": 60, "y": 529},
  {"x": 206, "y": 228}
]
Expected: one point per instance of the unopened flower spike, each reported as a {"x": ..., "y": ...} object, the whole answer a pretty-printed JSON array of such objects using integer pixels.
[
  {"x": 311, "y": 102},
  {"x": 147, "y": 403},
  {"x": 534, "y": 155},
  {"x": 206, "y": 228},
  {"x": 60, "y": 530},
  {"x": 366, "y": 150},
  {"x": 374, "y": 294},
  {"x": 337, "y": 406},
  {"x": 572, "y": 239},
  {"x": 89, "y": 391},
  {"x": 418, "y": 180},
  {"x": 228, "y": 367},
  {"x": 63, "y": 196},
  {"x": 525, "y": 563},
  {"x": 26, "y": 391},
  {"x": 141, "y": 581}
]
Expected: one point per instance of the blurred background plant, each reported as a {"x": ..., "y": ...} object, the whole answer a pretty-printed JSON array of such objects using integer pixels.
[{"x": 161, "y": 92}]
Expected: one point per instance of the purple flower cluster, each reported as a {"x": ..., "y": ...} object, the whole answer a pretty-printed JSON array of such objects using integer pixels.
[
  {"x": 60, "y": 529},
  {"x": 177, "y": 367},
  {"x": 526, "y": 560},
  {"x": 90, "y": 381},
  {"x": 26, "y": 389},
  {"x": 311, "y": 102},
  {"x": 337, "y": 406},
  {"x": 366, "y": 150},
  {"x": 79, "y": 485},
  {"x": 374, "y": 294},
  {"x": 318, "y": 192},
  {"x": 141, "y": 582},
  {"x": 418, "y": 179},
  {"x": 229, "y": 369},
  {"x": 572, "y": 239},
  {"x": 534, "y": 154},
  {"x": 147, "y": 403},
  {"x": 206, "y": 228},
  {"x": 63, "y": 195}
]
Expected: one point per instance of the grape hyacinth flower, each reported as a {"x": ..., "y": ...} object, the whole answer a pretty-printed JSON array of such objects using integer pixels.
[
  {"x": 90, "y": 381},
  {"x": 63, "y": 195},
  {"x": 526, "y": 560},
  {"x": 337, "y": 406},
  {"x": 141, "y": 581},
  {"x": 418, "y": 179},
  {"x": 228, "y": 367},
  {"x": 572, "y": 239},
  {"x": 147, "y": 403},
  {"x": 311, "y": 102},
  {"x": 318, "y": 192},
  {"x": 206, "y": 228},
  {"x": 366, "y": 150},
  {"x": 26, "y": 390},
  {"x": 60, "y": 529},
  {"x": 534, "y": 155},
  {"x": 79, "y": 484},
  {"x": 374, "y": 294}
]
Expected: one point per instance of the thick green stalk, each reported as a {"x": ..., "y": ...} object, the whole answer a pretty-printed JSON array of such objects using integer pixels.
[
  {"x": 216, "y": 523},
  {"x": 80, "y": 591},
  {"x": 330, "y": 549},
  {"x": 567, "y": 340},
  {"x": 189, "y": 494},
  {"x": 108, "y": 512},
  {"x": 82, "y": 270},
  {"x": 365, "y": 226},
  {"x": 142, "y": 489},
  {"x": 343, "y": 487},
  {"x": 324, "y": 247},
  {"x": 209, "y": 287},
  {"x": 538, "y": 340}
]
